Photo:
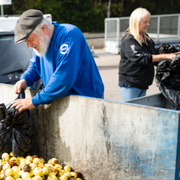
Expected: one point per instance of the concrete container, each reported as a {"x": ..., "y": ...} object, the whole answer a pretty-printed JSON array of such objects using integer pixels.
[{"x": 107, "y": 140}]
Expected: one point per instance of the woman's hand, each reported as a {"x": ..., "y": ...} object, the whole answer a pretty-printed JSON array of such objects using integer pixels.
[{"x": 160, "y": 57}]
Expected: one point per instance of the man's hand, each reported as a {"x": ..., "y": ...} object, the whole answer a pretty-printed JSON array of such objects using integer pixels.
[
  {"x": 21, "y": 84},
  {"x": 22, "y": 104}
]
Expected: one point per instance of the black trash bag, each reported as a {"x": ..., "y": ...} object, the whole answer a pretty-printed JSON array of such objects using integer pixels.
[
  {"x": 17, "y": 130},
  {"x": 167, "y": 48},
  {"x": 168, "y": 80}
]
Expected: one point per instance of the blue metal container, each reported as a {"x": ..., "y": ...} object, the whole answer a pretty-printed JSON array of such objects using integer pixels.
[
  {"x": 108, "y": 140},
  {"x": 168, "y": 130}
]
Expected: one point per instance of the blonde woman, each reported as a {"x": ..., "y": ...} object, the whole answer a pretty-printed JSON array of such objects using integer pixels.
[{"x": 138, "y": 54}]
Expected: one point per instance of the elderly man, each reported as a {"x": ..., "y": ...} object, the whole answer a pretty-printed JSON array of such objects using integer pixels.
[{"x": 61, "y": 58}]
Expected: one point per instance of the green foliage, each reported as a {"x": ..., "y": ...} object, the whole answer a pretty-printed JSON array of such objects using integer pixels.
[
  {"x": 116, "y": 9},
  {"x": 89, "y": 15},
  {"x": 155, "y": 7}
]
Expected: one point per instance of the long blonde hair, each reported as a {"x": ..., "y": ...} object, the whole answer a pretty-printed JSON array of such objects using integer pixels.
[{"x": 134, "y": 21}]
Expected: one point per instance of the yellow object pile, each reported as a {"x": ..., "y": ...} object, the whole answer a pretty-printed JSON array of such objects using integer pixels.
[{"x": 33, "y": 168}]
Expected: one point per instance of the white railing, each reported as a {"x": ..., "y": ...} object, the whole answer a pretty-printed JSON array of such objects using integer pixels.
[{"x": 163, "y": 28}]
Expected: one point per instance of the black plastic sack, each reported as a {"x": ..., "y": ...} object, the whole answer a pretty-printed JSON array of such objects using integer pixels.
[
  {"x": 167, "y": 48},
  {"x": 168, "y": 80},
  {"x": 16, "y": 130}
]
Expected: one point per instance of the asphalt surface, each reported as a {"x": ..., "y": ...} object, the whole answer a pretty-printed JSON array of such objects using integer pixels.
[{"x": 108, "y": 65}]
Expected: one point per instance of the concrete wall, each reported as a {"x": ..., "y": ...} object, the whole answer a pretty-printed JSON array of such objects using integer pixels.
[
  {"x": 98, "y": 43},
  {"x": 106, "y": 140},
  {"x": 97, "y": 39}
]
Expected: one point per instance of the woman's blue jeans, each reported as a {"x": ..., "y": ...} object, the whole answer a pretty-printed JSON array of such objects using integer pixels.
[{"x": 131, "y": 93}]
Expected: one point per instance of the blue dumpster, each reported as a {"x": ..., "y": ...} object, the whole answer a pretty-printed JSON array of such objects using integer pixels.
[
  {"x": 108, "y": 140},
  {"x": 156, "y": 100},
  {"x": 159, "y": 101}
]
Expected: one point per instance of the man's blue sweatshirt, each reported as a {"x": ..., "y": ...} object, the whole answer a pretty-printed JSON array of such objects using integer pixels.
[{"x": 67, "y": 68}]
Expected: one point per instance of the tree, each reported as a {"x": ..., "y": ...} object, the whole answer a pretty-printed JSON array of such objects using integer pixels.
[
  {"x": 89, "y": 15},
  {"x": 109, "y": 7}
]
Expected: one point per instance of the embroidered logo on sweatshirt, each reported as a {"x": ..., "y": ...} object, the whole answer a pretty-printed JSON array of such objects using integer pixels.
[{"x": 64, "y": 49}]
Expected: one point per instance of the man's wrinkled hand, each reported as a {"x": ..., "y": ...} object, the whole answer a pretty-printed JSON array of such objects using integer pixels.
[
  {"x": 21, "y": 84},
  {"x": 22, "y": 104}
]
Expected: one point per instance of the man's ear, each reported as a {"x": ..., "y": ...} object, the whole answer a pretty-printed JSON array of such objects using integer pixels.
[{"x": 43, "y": 28}]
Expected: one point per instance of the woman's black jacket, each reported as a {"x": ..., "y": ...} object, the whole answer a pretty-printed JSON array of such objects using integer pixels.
[{"x": 136, "y": 67}]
